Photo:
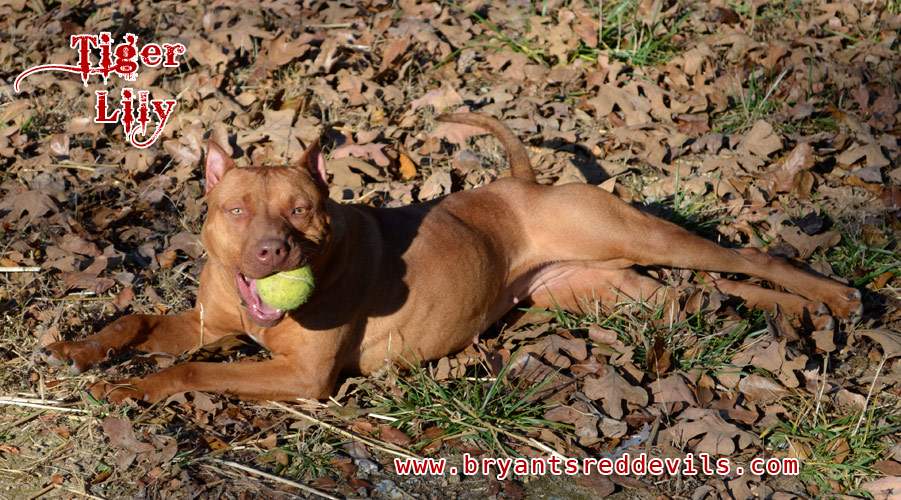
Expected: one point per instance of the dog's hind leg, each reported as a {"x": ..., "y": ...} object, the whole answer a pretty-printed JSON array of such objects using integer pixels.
[
  {"x": 764, "y": 299},
  {"x": 585, "y": 287},
  {"x": 572, "y": 285},
  {"x": 596, "y": 225},
  {"x": 579, "y": 287}
]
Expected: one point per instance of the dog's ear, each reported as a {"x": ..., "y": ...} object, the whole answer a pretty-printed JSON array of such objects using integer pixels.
[
  {"x": 218, "y": 162},
  {"x": 314, "y": 162}
]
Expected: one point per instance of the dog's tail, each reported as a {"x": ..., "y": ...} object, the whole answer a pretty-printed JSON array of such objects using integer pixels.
[{"x": 517, "y": 157}]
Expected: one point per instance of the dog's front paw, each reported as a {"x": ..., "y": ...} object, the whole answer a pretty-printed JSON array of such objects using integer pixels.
[
  {"x": 846, "y": 303},
  {"x": 118, "y": 391},
  {"x": 78, "y": 355}
]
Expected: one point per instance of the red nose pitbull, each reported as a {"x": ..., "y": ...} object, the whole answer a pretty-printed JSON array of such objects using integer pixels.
[{"x": 414, "y": 283}]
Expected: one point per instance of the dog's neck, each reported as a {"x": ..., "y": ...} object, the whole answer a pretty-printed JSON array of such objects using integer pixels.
[
  {"x": 351, "y": 253},
  {"x": 336, "y": 243}
]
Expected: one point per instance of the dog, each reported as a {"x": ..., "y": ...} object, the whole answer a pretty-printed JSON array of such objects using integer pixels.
[{"x": 416, "y": 282}]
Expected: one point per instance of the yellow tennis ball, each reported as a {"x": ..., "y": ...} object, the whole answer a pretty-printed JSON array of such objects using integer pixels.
[{"x": 287, "y": 290}]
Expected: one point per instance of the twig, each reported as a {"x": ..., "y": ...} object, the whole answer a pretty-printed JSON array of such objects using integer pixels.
[
  {"x": 47, "y": 489},
  {"x": 385, "y": 447},
  {"x": 86, "y": 166},
  {"x": 74, "y": 167},
  {"x": 39, "y": 403},
  {"x": 330, "y": 25},
  {"x": 361, "y": 48},
  {"x": 271, "y": 477},
  {"x": 253, "y": 439},
  {"x": 775, "y": 84},
  {"x": 362, "y": 197},
  {"x": 20, "y": 269},
  {"x": 77, "y": 297},
  {"x": 23, "y": 420},
  {"x": 81, "y": 493},
  {"x": 534, "y": 443},
  {"x": 52, "y": 454},
  {"x": 822, "y": 390},
  {"x": 863, "y": 413},
  {"x": 382, "y": 417}
]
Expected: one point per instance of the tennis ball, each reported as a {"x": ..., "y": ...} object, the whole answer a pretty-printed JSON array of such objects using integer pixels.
[{"x": 287, "y": 290}]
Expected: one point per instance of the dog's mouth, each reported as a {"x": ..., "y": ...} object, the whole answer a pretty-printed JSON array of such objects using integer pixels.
[{"x": 261, "y": 314}]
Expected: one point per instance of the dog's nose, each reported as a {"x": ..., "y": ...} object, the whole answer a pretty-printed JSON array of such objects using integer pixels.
[{"x": 272, "y": 252}]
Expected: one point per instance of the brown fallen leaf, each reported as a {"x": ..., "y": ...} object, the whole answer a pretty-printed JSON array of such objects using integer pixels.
[
  {"x": 613, "y": 390},
  {"x": 635, "y": 108},
  {"x": 718, "y": 437},
  {"x": 207, "y": 53},
  {"x": 659, "y": 358},
  {"x": 761, "y": 389},
  {"x": 392, "y": 51},
  {"x": 888, "y": 467},
  {"x": 441, "y": 99},
  {"x": 824, "y": 340},
  {"x": 352, "y": 86},
  {"x": 124, "y": 298},
  {"x": 839, "y": 449},
  {"x": 75, "y": 244},
  {"x": 437, "y": 184},
  {"x": 215, "y": 443},
  {"x": 16, "y": 110},
  {"x": 434, "y": 435},
  {"x": 773, "y": 357},
  {"x": 101, "y": 476},
  {"x": 203, "y": 402},
  {"x": 872, "y": 152},
  {"x": 785, "y": 178},
  {"x": 888, "y": 339},
  {"x": 600, "y": 485},
  {"x": 850, "y": 400},
  {"x": 393, "y": 435},
  {"x": 282, "y": 50},
  {"x": 121, "y": 435},
  {"x": 723, "y": 15},
  {"x": 886, "y": 488},
  {"x": 574, "y": 348},
  {"x": 456, "y": 133},
  {"x": 761, "y": 140},
  {"x": 59, "y": 145},
  {"x": 580, "y": 416},
  {"x": 407, "y": 167},
  {"x": 806, "y": 245},
  {"x": 86, "y": 281},
  {"x": 10, "y": 449},
  {"x": 35, "y": 204},
  {"x": 672, "y": 389},
  {"x": 882, "y": 280},
  {"x": 372, "y": 151}
]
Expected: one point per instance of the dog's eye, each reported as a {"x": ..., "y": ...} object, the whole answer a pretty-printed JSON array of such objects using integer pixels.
[
  {"x": 299, "y": 211},
  {"x": 236, "y": 211}
]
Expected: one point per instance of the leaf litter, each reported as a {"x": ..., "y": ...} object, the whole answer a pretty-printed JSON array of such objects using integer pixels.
[{"x": 766, "y": 124}]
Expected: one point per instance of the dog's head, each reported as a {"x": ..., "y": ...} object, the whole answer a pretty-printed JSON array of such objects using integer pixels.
[{"x": 264, "y": 220}]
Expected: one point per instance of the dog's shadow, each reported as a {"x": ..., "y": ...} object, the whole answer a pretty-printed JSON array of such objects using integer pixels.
[
  {"x": 367, "y": 278},
  {"x": 580, "y": 157}
]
